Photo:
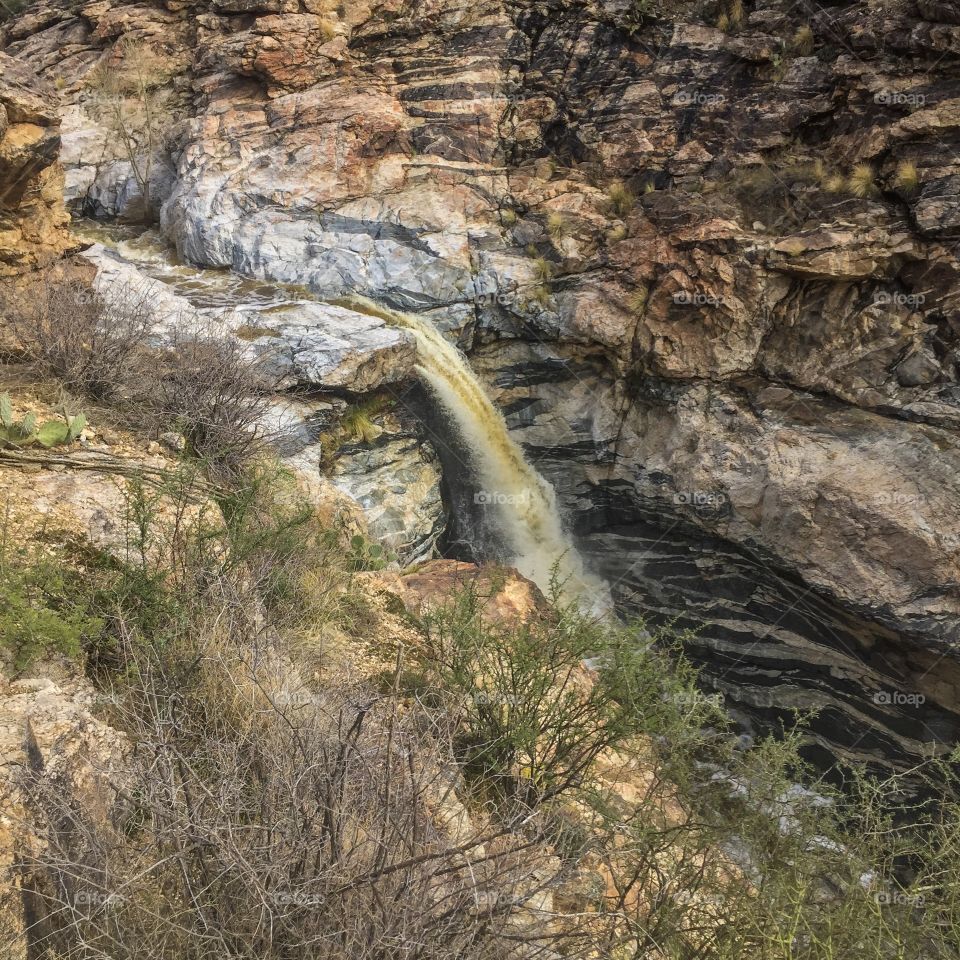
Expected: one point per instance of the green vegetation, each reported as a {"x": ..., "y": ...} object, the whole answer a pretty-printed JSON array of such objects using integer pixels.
[
  {"x": 27, "y": 432},
  {"x": 195, "y": 381},
  {"x": 530, "y": 721},
  {"x": 818, "y": 874},
  {"x": 366, "y": 555},
  {"x": 541, "y": 295},
  {"x": 621, "y": 199},
  {"x": 542, "y": 269},
  {"x": 326, "y": 810},
  {"x": 638, "y": 301},
  {"x": 835, "y": 183},
  {"x": 557, "y": 226},
  {"x": 731, "y": 15},
  {"x": 356, "y": 424},
  {"x": 487, "y": 788},
  {"x": 44, "y": 606},
  {"x": 10, "y": 8},
  {"x": 787, "y": 188}
]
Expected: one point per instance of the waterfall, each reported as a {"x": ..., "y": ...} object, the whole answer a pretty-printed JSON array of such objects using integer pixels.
[{"x": 523, "y": 505}]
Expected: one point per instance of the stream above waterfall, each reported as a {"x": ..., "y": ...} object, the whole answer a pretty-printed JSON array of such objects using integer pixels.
[{"x": 526, "y": 515}]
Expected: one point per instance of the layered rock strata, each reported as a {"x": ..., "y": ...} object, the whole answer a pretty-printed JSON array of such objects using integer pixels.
[{"x": 710, "y": 274}]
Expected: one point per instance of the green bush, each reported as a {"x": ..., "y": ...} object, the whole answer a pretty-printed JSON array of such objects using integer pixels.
[
  {"x": 45, "y": 607},
  {"x": 10, "y": 8},
  {"x": 718, "y": 852},
  {"x": 532, "y": 718},
  {"x": 563, "y": 755}
]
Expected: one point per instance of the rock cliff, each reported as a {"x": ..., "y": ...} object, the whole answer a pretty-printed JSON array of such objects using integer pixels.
[
  {"x": 704, "y": 255},
  {"x": 33, "y": 219}
]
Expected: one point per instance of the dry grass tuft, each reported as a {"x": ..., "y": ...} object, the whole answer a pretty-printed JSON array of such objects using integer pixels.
[
  {"x": 907, "y": 177},
  {"x": 861, "y": 180}
]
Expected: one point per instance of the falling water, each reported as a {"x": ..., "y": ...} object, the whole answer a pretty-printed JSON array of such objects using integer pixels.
[{"x": 522, "y": 503}]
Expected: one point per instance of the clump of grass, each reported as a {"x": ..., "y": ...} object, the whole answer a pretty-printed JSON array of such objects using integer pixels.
[
  {"x": 861, "y": 180},
  {"x": 543, "y": 269},
  {"x": 621, "y": 198},
  {"x": 907, "y": 178},
  {"x": 834, "y": 183},
  {"x": 803, "y": 41},
  {"x": 508, "y": 217},
  {"x": 357, "y": 423},
  {"x": 557, "y": 226},
  {"x": 327, "y": 29},
  {"x": 541, "y": 295},
  {"x": 617, "y": 233},
  {"x": 637, "y": 301},
  {"x": 730, "y": 16}
]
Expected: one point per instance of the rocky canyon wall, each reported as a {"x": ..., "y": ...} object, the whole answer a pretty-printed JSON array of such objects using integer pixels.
[{"x": 704, "y": 255}]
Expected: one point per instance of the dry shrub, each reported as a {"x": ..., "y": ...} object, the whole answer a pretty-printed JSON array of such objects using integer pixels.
[
  {"x": 260, "y": 819},
  {"x": 208, "y": 386},
  {"x": 94, "y": 342},
  {"x": 198, "y": 380}
]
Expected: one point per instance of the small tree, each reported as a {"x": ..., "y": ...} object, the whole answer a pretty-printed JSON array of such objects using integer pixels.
[{"x": 131, "y": 99}]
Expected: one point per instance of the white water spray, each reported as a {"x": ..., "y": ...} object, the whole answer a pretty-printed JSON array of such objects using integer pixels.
[{"x": 523, "y": 503}]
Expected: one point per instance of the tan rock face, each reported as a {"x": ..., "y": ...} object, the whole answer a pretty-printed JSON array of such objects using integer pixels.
[
  {"x": 507, "y": 598},
  {"x": 49, "y": 728},
  {"x": 33, "y": 218}
]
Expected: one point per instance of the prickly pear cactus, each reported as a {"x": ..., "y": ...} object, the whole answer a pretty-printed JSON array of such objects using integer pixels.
[{"x": 27, "y": 433}]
